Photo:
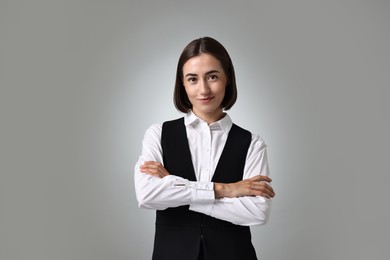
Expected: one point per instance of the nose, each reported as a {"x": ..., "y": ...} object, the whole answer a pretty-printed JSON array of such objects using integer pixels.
[{"x": 204, "y": 87}]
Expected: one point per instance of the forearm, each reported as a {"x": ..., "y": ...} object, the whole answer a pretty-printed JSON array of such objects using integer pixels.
[
  {"x": 226, "y": 190},
  {"x": 165, "y": 191},
  {"x": 170, "y": 191},
  {"x": 246, "y": 202},
  {"x": 256, "y": 186}
]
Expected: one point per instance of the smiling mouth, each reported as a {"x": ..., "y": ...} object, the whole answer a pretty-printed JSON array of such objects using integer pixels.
[{"x": 205, "y": 100}]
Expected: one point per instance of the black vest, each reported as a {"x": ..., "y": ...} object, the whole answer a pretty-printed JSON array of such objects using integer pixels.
[{"x": 180, "y": 231}]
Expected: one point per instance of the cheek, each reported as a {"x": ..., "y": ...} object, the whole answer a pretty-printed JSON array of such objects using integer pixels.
[
  {"x": 222, "y": 90},
  {"x": 190, "y": 87},
  {"x": 188, "y": 91}
]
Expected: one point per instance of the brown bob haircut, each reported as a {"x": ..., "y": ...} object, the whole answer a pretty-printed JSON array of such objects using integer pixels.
[{"x": 210, "y": 46}]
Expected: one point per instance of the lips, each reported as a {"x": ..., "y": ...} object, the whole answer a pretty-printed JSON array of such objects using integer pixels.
[{"x": 205, "y": 100}]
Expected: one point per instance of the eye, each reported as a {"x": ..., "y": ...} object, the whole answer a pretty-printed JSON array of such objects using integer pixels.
[
  {"x": 213, "y": 77},
  {"x": 192, "y": 80}
]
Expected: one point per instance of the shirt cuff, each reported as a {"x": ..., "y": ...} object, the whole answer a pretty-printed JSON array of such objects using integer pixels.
[
  {"x": 201, "y": 185},
  {"x": 203, "y": 197},
  {"x": 202, "y": 191}
]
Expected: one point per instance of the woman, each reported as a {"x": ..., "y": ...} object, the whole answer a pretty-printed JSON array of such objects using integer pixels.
[{"x": 206, "y": 177}]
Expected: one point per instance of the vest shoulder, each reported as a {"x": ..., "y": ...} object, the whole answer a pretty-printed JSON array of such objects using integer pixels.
[
  {"x": 174, "y": 122},
  {"x": 240, "y": 129},
  {"x": 257, "y": 140}
]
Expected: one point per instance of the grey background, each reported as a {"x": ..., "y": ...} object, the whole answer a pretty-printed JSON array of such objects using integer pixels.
[{"x": 82, "y": 80}]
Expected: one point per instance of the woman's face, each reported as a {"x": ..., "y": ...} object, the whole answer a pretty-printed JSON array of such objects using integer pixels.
[{"x": 205, "y": 82}]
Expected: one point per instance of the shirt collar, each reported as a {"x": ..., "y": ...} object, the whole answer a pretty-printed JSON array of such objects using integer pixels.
[
  {"x": 224, "y": 123},
  {"x": 190, "y": 118}
]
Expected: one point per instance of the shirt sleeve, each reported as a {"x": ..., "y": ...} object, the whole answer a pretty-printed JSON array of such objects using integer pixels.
[
  {"x": 247, "y": 210},
  {"x": 170, "y": 191}
]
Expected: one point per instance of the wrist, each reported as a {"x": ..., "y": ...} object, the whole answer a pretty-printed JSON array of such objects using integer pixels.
[
  {"x": 221, "y": 190},
  {"x": 218, "y": 190}
]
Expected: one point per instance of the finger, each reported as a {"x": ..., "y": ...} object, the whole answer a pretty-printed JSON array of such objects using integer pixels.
[
  {"x": 151, "y": 166},
  {"x": 265, "y": 195},
  {"x": 148, "y": 163},
  {"x": 262, "y": 194},
  {"x": 148, "y": 169},
  {"x": 265, "y": 178},
  {"x": 264, "y": 188},
  {"x": 143, "y": 168},
  {"x": 261, "y": 178},
  {"x": 262, "y": 185},
  {"x": 148, "y": 166},
  {"x": 154, "y": 168},
  {"x": 269, "y": 190}
]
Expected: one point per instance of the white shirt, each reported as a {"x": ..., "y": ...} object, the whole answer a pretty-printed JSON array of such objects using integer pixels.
[{"x": 206, "y": 143}]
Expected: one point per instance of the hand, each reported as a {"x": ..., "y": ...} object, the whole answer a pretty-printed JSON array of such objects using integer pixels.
[
  {"x": 154, "y": 168},
  {"x": 255, "y": 186}
]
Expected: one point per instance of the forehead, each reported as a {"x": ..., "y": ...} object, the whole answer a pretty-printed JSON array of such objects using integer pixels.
[{"x": 202, "y": 64}]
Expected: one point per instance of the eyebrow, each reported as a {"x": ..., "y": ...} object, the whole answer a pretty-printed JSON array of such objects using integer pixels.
[{"x": 207, "y": 73}]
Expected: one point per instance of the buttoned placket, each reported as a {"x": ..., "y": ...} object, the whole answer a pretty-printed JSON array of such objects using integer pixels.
[{"x": 205, "y": 174}]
